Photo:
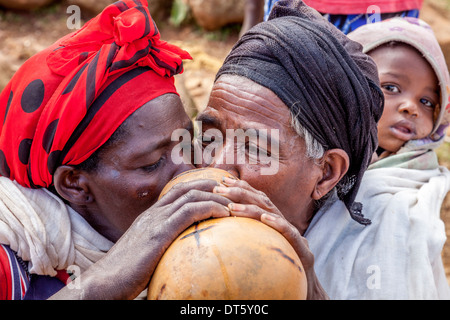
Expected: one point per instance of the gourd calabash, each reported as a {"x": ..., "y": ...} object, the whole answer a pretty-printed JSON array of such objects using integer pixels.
[{"x": 232, "y": 258}]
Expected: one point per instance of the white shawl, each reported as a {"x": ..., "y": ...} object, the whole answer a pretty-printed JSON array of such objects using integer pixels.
[
  {"x": 44, "y": 231},
  {"x": 398, "y": 256}
]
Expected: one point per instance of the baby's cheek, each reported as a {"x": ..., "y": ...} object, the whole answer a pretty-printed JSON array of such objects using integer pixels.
[{"x": 424, "y": 129}]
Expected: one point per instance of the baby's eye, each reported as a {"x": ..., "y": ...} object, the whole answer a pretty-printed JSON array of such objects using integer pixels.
[
  {"x": 427, "y": 103},
  {"x": 391, "y": 88}
]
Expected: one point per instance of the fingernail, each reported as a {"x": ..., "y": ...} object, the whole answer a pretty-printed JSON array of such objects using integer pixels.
[
  {"x": 268, "y": 217},
  {"x": 221, "y": 190},
  {"x": 236, "y": 207},
  {"x": 228, "y": 180}
]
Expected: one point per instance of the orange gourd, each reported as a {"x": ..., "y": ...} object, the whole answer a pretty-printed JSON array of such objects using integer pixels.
[
  {"x": 232, "y": 258},
  {"x": 196, "y": 174}
]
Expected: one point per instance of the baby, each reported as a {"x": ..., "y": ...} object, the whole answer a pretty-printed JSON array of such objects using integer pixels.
[
  {"x": 397, "y": 256},
  {"x": 411, "y": 95},
  {"x": 415, "y": 82},
  {"x": 346, "y": 15}
]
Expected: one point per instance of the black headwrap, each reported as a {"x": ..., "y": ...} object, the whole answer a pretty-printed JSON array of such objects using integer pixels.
[{"x": 323, "y": 77}]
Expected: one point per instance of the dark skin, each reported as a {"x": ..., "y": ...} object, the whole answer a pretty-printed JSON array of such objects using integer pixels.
[
  {"x": 119, "y": 200},
  {"x": 411, "y": 95},
  {"x": 254, "y": 14},
  {"x": 132, "y": 172},
  {"x": 284, "y": 200},
  {"x": 142, "y": 238}
]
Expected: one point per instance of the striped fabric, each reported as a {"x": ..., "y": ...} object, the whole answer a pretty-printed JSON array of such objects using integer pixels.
[{"x": 14, "y": 280}]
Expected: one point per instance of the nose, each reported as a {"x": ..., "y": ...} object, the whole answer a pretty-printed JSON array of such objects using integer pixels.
[
  {"x": 409, "y": 107},
  {"x": 229, "y": 168},
  {"x": 184, "y": 166},
  {"x": 224, "y": 158}
]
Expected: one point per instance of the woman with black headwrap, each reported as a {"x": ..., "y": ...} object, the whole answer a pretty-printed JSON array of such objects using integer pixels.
[
  {"x": 85, "y": 150},
  {"x": 298, "y": 75}
]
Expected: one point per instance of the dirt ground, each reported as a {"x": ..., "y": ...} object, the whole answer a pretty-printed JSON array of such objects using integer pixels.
[{"x": 23, "y": 33}]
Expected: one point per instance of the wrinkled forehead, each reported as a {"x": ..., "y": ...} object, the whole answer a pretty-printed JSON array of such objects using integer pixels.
[{"x": 238, "y": 101}]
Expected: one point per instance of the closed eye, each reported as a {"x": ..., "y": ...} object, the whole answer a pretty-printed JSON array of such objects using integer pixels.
[{"x": 152, "y": 167}]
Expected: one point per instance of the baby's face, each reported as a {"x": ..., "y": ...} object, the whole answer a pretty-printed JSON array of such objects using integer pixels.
[{"x": 411, "y": 94}]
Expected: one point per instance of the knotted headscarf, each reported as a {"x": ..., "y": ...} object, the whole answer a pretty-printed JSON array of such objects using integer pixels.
[
  {"x": 328, "y": 84},
  {"x": 66, "y": 101}
]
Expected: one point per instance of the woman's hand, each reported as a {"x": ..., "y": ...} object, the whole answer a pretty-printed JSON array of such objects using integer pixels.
[
  {"x": 125, "y": 271},
  {"x": 252, "y": 203}
]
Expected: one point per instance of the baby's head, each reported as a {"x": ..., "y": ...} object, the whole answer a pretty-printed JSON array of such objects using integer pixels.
[
  {"x": 411, "y": 92},
  {"x": 414, "y": 79}
]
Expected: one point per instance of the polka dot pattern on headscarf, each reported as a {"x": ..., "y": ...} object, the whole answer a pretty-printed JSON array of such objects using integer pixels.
[
  {"x": 32, "y": 96},
  {"x": 66, "y": 101}
]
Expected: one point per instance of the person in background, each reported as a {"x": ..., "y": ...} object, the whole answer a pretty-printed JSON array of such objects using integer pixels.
[
  {"x": 345, "y": 15},
  {"x": 399, "y": 256}
]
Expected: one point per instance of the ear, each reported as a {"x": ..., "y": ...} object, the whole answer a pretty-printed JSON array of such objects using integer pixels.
[
  {"x": 72, "y": 185},
  {"x": 334, "y": 166}
]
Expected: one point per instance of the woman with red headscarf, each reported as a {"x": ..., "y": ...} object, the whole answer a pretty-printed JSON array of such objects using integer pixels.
[{"x": 85, "y": 145}]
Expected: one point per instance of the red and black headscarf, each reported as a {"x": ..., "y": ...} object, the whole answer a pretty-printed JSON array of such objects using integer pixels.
[{"x": 66, "y": 101}]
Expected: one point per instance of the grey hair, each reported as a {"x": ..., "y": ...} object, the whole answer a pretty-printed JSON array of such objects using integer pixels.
[{"x": 314, "y": 151}]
